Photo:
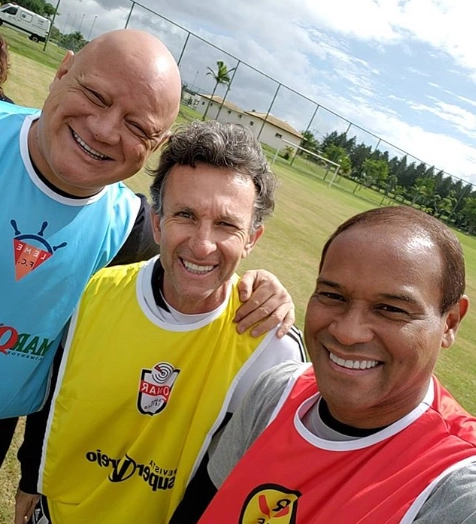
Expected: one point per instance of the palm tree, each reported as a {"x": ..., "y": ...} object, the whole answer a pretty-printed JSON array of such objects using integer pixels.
[
  {"x": 422, "y": 191},
  {"x": 221, "y": 76}
]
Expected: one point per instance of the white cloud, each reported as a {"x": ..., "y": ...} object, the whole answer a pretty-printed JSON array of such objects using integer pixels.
[
  {"x": 446, "y": 25},
  {"x": 463, "y": 120},
  {"x": 466, "y": 100},
  {"x": 364, "y": 19}
]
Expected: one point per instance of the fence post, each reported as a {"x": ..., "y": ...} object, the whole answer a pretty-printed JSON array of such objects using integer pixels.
[
  {"x": 130, "y": 14},
  {"x": 269, "y": 110}
]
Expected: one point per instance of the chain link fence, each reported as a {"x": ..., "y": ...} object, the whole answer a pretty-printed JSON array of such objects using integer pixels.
[{"x": 254, "y": 91}]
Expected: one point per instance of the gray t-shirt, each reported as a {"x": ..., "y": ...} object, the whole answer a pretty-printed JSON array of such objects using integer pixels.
[{"x": 452, "y": 501}]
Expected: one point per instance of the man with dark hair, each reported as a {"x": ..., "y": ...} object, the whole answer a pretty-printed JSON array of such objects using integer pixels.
[
  {"x": 66, "y": 213},
  {"x": 153, "y": 362},
  {"x": 368, "y": 433}
]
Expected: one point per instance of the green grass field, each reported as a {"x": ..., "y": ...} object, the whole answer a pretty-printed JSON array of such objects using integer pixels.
[{"x": 308, "y": 210}]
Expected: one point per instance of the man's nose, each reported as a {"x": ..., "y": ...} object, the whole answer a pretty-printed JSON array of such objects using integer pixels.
[
  {"x": 106, "y": 126},
  {"x": 202, "y": 242},
  {"x": 351, "y": 327}
]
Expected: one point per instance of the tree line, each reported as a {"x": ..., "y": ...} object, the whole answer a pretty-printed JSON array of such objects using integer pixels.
[{"x": 449, "y": 199}]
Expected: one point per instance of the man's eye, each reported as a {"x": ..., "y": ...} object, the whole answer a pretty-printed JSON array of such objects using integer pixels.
[
  {"x": 183, "y": 214},
  {"x": 392, "y": 309},
  {"x": 137, "y": 129},
  {"x": 94, "y": 96},
  {"x": 227, "y": 225},
  {"x": 329, "y": 296}
]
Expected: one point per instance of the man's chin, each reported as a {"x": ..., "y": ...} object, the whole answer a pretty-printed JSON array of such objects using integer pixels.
[{"x": 195, "y": 301}]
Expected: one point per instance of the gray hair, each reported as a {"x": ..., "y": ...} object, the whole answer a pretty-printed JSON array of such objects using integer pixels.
[{"x": 219, "y": 145}]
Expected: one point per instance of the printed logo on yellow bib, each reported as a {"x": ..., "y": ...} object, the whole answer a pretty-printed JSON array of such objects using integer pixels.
[
  {"x": 155, "y": 388},
  {"x": 270, "y": 503}
]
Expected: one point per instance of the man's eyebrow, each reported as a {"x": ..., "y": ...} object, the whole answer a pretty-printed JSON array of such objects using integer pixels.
[
  {"x": 180, "y": 208},
  {"x": 329, "y": 283},
  {"x": 227, "y": 217},
  {"x": 401, "y": 297}
]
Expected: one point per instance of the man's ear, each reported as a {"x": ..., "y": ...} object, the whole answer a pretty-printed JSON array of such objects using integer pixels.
[
  {"x": 156, "y": 226},
  {"x": 453, "y": 319},
  {"x": 252, "y": 239},
  {"x": 64, "y": 67}
]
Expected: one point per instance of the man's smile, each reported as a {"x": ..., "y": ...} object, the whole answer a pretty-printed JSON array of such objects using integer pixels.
[
  {"x": 353, "y": 364},
  {"x": 195, "y": 268},
  {"x": 87, "y": 149}
]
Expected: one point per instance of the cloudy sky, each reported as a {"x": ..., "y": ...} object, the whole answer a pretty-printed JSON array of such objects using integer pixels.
[{"x": 404, "y": 70}]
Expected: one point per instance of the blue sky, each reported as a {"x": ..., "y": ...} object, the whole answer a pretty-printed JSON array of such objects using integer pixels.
[{"x": 404, "y": 70}]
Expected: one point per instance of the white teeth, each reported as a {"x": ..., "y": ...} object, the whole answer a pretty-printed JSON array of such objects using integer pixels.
[
  {"x": 353, "y": 364},
  {"x": 92, "y": 152},
  {"x": 197, "y": 269}
]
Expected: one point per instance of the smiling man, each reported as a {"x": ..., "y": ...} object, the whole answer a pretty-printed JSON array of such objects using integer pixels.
[
  {"x": 99, "y": 124},
  {"x": 153, "y": 364},
  {"x": 367, "y": 434},
  {"x": 65, "y": 214}
]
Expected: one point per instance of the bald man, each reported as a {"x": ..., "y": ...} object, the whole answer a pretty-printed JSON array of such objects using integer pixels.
[{"x": 65, "y": 212}]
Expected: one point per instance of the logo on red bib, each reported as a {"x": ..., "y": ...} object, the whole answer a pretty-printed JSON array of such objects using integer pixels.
[{"x": 270, "y": 504}]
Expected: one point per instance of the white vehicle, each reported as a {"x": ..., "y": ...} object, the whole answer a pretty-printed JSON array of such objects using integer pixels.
[{"x": 22, "y": 19}]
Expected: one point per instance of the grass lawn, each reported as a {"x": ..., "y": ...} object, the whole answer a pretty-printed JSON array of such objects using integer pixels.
[{"x": 308, "y": 210}]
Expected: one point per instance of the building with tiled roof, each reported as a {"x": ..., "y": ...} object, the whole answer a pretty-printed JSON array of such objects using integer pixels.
[{"x": 269, "y": 129}]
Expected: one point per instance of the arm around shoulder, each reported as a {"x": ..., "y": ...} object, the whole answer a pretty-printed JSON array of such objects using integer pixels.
[{"x": 266, "y": 303}]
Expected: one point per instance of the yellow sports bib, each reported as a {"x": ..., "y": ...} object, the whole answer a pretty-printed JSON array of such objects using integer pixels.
[{"x": 136, "y": 405}]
